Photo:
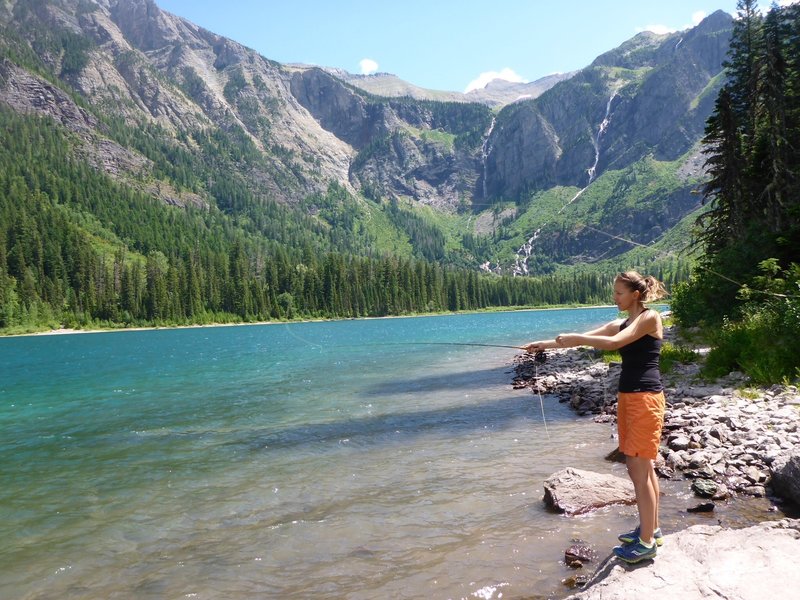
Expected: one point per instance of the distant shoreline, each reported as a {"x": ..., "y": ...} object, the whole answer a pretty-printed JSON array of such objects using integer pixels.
[{"x": 73, "y": 331}]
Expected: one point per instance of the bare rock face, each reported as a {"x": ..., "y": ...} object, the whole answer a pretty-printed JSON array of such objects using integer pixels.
[
  {"x": 573, "y": 491},
  {"x": 708, "y": 562},
  {"x": 27, "y": 93}
]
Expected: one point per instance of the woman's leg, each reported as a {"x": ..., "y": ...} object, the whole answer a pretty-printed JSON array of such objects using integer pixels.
[
  {"x": 645, "y": 485},
  {"x": 657, "y": 489}
]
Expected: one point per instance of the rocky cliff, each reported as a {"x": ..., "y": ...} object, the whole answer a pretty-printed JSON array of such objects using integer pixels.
[
  {"x": 183, "y": 113},
  {"x": 650, "y": 96}
]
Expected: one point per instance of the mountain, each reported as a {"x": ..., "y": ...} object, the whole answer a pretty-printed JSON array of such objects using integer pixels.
[
  {"x": 496, "y": 93},
  {"x": 190, "y": 118}
]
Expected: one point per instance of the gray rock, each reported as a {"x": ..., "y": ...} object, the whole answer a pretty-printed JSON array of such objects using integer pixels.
[
  {"x": 579, "y": 552},
  {"x": 705, "y": 488},
  {"x": 786, "y": 475},
  {"x": 574, "y": 491},
  {"x": 759, "y": 491},
  {"x": 677, "y": 460},
  {"x": 679, "y": 442},
  {"x": 708, "y": 562}
]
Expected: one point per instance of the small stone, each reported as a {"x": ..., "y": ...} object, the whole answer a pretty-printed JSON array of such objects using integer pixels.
[
  {"x": 579, "y": 552},
  {"x": 754, "y": 475},
  {"x": 680, "y": 442},
  {"x": 574, "y": 581},
  {"x": 722, "y": 493},
  {"x": 755, "y": 490},
  {"x": 665, "y": 472}
]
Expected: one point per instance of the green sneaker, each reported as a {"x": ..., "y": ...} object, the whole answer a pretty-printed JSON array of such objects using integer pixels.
[
  {"x": 635, "y": 552},
  {"x": 633, "y": 536}
]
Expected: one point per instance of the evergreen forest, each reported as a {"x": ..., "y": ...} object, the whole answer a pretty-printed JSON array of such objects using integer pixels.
[{"x": 746, "y": 285}]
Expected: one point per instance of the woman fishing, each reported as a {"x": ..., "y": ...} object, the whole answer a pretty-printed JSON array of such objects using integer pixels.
[{"x": 640, "y": 408}]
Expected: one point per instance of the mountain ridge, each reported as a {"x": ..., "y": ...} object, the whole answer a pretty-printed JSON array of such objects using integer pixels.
[
  {"x": 235, "y": 129},
  {"x": 497, "y": 93}
]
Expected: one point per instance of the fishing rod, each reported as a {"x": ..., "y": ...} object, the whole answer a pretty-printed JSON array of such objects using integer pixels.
[{"x": 449, "y": 344}]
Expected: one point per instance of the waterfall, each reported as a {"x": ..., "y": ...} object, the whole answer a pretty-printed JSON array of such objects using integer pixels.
[
  {"x": 521, "y": 263},
  {"x": 525, "y": 251},
  {"x": 486, "y": 149},
  {"x": 596, "y": 139}
]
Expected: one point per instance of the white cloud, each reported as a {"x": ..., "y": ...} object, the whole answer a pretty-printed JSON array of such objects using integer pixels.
[
  {"x": 764, "y": 7},
  {"x": 698, "y": 16},
  {"x": 658, "y": 29},
  {"x": 368, "y": 66},
  {"x": 484, "y": 78}
]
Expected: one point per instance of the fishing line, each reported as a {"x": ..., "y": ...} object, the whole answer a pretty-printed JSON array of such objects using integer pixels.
[
  {"x": 616, "y": 237},
  {"x": 537, "y": 358},
  {"x": 705, "y": 268},
  {"x": 297, "y": 337}
]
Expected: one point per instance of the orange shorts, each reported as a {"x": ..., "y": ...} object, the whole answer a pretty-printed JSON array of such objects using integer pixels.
[{"x": 640, "y": 417}]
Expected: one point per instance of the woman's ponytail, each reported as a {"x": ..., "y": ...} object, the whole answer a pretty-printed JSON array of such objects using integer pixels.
[{"x": 649, "y": 288}]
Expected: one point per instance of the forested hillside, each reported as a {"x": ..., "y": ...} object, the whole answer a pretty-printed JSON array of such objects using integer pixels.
[
  {"x": 746, "y": 288},
  {"x": 156, "y": 172},
  {"x": 78, "y": 249}
]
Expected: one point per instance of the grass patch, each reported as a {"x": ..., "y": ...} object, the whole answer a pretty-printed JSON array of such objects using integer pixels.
[
  {"x": 671, "y": 354},
  {"x": 748, "y": 393}
]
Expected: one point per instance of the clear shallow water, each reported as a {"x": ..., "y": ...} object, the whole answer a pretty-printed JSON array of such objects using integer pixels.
[{"x": 325, "y": 460}]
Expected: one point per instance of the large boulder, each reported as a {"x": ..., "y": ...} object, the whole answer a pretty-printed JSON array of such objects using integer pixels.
[
  {"x": 573, "y": 491},
  {"x": 786, "y": 475},
  {"x": 707, "y": 561}
]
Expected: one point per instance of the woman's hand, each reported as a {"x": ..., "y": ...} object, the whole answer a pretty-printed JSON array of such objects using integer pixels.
[
  {"x": 568, "y": 340},
  {"x": 535, "y": 347}
]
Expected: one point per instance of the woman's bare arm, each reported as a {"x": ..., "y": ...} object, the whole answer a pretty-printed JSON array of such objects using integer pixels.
[{"x": 648, "y": 324}]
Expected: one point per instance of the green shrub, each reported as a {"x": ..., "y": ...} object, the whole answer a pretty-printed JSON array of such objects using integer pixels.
[
  {"x": 765, "y": 344},
  {"x": 671, "y": 354}
]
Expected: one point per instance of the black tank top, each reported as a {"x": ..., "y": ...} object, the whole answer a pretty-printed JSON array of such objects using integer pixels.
[{"x": 640, "y": 372}]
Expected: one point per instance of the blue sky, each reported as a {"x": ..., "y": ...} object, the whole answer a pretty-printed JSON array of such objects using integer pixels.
[{"x": 444, "y": 44}]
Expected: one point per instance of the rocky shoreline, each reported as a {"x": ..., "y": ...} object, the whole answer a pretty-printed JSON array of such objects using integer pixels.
[
  {"x": 725, "y": 436},
  {"x": 725, "y": 439}
]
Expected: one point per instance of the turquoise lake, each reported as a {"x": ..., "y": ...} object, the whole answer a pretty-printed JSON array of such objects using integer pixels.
[{"x": 349, "y": 459}]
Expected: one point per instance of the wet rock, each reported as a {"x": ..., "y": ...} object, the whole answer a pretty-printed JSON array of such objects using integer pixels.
[
  {"x": 615, "y": 456},
  {"x": 705, "y": 488},
  {"x": 703, "y": 507},
  {"x": 722, "y": 493},
  {"x": 578, "y": 554},
  {"x": 574, "y": 491},
  {"x": 664, "y": 472},
  {"x": 759, "y": 491},
  {"x": 574, "y": 581}
]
